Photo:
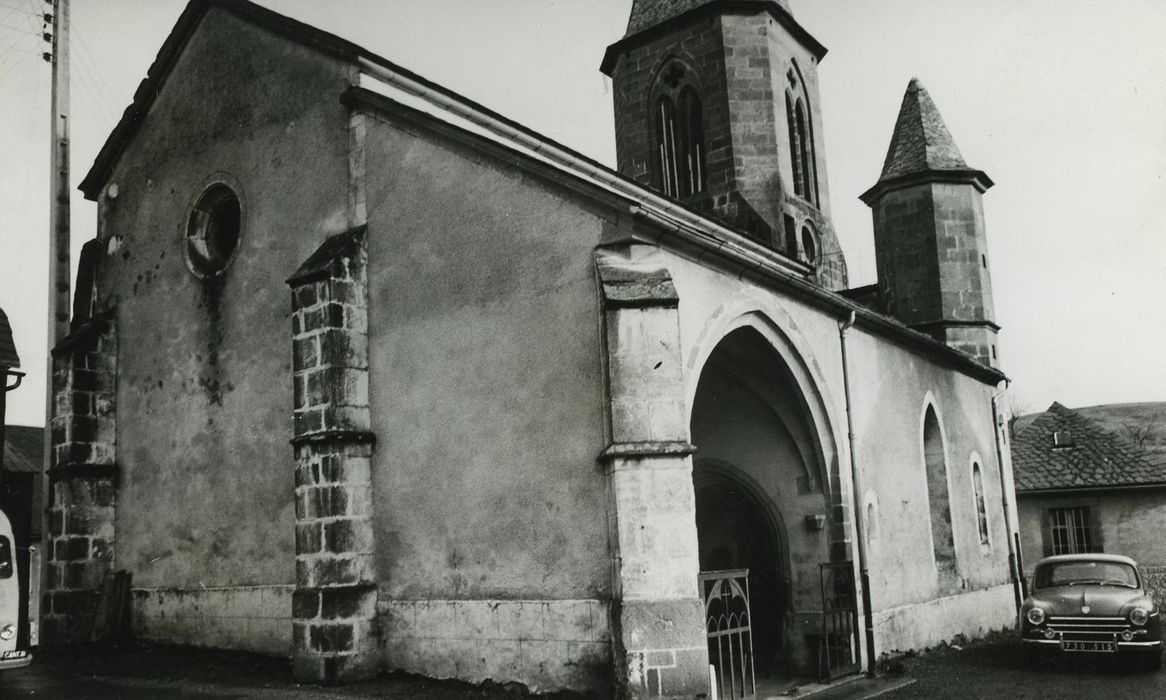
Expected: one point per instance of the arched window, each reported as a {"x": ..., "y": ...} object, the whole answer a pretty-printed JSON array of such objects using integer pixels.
[
  {"x": 807, "y": 170},
  {"x": 981, "y": 503},
  {"x": 679, "y": 129},
  {"x": 939, "y": 503},
  {"x": 794, "y": 144},
  {"x": 801, "y": 138}
]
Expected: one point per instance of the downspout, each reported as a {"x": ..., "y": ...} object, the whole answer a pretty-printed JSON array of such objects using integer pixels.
[
  {"x": 856, "y": 497},
  {"x": 1015, "y": 569}
]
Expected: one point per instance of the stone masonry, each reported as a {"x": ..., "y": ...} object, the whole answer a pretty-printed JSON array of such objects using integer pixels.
[
  {"x": 657, "y": 615},
  {"x": 83, "y": 479},
  {"x": 334, "y": 634},
  {"x": 931, "y": 244},
  {"x": 738, "y": 62}
]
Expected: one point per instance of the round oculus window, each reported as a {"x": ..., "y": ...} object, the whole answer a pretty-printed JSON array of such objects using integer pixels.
[
  {"x": 809, "y": 245},
  {"x": 212, "y": 233}
]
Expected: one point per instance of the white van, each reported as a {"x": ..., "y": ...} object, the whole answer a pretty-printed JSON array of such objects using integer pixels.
[{"x": 10, "y": 656}]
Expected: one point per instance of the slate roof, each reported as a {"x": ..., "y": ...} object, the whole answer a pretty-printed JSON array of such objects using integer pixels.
[
  {"x": 649, "y": 13},
  {"x": 24, "y": 449},
  {"x": 8, "y": 357},
  {"x": 921, "y": 141},
  {"x": 1097, "y": 458}
]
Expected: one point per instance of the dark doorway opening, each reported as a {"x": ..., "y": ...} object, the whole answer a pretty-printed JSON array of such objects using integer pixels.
[{"x": 734, "y": 531}]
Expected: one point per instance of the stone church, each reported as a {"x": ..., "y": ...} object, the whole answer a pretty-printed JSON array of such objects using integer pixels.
[{"x": 366, "y": 375}]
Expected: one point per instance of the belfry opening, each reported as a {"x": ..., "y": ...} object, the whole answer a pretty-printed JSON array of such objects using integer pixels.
[{"x": 763, "y": 509}]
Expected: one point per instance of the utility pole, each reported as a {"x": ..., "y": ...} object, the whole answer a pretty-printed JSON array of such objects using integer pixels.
[
  {"x": 59, "y": 299},
  {"x": 59, "y": 268}
]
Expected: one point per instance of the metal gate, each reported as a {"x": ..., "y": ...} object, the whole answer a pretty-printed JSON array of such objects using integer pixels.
[
  {"x": 838, "y": 645},
  {"x": 729, "y": 626}
]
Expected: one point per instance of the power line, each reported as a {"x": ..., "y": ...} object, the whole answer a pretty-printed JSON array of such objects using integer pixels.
[
  {"x": 100, "y": 85},
  {"x": 13, "y": 65}
]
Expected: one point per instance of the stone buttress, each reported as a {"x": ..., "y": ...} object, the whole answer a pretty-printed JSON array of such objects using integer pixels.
[
  {"x": 659, "y": 647},
  {"x": 334, "y": 635},
  {"x": 83, "y": 478}
]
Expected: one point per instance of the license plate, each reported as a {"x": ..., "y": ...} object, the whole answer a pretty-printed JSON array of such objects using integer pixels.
[{"x": 1088, "y": 646}]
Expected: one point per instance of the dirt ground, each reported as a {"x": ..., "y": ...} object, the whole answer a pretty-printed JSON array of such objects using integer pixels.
[
  {"x": 141, "y": 672},
  {"x": 1000, "y": 667}
]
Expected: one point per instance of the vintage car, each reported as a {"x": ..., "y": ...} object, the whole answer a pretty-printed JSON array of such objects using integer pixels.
[
  {"x": 1096, "y": 603},
  {"x": 10, "y": 655}
]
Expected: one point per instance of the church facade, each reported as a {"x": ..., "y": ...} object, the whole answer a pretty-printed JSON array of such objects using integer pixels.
[{"x": 369, "y": 376}]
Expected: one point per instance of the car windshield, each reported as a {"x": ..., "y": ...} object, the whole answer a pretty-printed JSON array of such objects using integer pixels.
[{"x": 1070, "y": 573}]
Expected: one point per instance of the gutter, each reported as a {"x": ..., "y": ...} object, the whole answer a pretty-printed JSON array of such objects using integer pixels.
[{"x": 1091, "y": 489}]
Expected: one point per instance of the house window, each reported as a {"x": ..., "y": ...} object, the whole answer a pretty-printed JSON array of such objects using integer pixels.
[
  {"x": 1062, "y": 438},
  {"x": 1071, "y": 531},
  {"x": 679, "y": 128},
  {"x": 981, "y": 503},
  {"x": 212, "y": 232}
]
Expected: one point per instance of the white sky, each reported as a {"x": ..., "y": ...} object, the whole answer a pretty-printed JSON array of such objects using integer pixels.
[{"x": 1061, "y": 102}]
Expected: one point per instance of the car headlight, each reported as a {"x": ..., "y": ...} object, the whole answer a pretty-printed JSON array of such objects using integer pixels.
[
  {"x": 1036, "y": 616},
  {"x": 1139, "y": 616},
  {"x": 8, "y": 632}
]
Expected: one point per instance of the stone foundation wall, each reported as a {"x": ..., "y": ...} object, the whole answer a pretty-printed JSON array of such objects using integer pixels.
[
  {"x": 245, "y": 618},
  {"x": 546, "y": 645},
  {"x": 973, "y": 614}
]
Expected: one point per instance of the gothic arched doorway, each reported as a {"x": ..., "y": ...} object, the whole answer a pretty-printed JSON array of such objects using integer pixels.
[{"x": 759, "y": 467}]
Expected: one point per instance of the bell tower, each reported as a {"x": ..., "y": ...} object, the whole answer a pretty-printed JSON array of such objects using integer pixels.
[
  {"x": 716, "y": 106},
  {"x": 931, "y": 248}
]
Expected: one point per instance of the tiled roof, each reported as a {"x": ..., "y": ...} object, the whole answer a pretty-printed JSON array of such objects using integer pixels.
[
  {"x": 648, "y": 13},
  {"x": 8, "y": 356},
  {"x": 1096, "y": 457},
  {"x": 24, "y": 449},
  {"x": 921, "y": 141}
]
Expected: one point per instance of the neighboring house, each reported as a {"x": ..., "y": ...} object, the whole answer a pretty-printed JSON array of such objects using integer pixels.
[
  {"x": 1082, "y": 485},
  {"x": 20, "y": 497},
  {"x": 530, "y": 399}
]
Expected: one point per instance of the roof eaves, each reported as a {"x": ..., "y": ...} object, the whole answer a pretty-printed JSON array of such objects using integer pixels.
[
  {"x": 959, "y": 176},
  {"x": 716, "y": 236},
  {"x": 781, "y": 14},
  {"x": 1086, "y": 489}
]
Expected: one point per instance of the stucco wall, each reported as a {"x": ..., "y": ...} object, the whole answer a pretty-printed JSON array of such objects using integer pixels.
[
  {"x": 486, "y": 394},
  {"x": 204, "y": 384},
  {"x": 890, "y": 386},
  {"x": 1131, "y": 523}
]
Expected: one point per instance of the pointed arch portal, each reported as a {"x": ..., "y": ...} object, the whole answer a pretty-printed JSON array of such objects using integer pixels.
[{"x": 763, "y": 496}]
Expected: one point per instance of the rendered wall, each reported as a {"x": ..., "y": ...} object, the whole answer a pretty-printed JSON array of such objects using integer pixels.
[
  {"x": 889, "y": 386},
  {"x": 1130, "y": 523},
  {"x": 204, "y": 385},
  {"x": 486, "y": 394}
]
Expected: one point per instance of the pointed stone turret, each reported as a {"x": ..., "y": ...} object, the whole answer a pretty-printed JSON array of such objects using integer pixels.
[
  {"x": 921, "y": 140},
  {"x": 930, "y": 243}
]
